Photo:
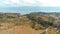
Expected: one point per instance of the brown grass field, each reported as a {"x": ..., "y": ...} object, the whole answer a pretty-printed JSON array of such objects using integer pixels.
[{"x": 21, "y": 30}]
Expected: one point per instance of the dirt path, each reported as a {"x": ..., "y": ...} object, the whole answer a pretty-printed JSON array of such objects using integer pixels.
[{"x": 21, "y": 30}]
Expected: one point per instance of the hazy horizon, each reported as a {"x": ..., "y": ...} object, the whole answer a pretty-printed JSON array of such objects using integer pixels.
[{"x": 23, "y": 6}]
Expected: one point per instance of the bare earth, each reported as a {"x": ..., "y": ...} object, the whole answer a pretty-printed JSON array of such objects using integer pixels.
[{"x": 21, "y": 30}]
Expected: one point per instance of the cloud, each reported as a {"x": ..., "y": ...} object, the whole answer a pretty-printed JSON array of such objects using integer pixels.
[
  {"x": 18, "y": 3},
  {"x": 49, "y": 2},
  {"x": 10, "y": 2}
]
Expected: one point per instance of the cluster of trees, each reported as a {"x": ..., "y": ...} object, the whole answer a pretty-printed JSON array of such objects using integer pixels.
[
  {"x": 44, "y": 22},
  {"x": 9, "y": 15},
  {"x": 35, "y": 21}
]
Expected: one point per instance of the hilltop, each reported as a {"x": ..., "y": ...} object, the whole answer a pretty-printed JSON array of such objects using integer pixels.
[{"x": 35, "y": 22}]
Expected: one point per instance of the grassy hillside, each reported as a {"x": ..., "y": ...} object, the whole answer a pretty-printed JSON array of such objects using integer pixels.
[{"x": 47, "y": 22}]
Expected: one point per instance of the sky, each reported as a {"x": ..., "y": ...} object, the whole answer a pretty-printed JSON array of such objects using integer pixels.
[
  {"x": 17, "y": 3},
  {"x": 23, "y": 6}
]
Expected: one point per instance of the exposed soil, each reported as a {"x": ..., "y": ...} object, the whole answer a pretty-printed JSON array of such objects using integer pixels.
[{"x": 21, "y": 30}]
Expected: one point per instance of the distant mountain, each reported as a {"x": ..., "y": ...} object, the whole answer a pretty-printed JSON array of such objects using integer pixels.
[
  {"x": 29, "y": 8},
  {"x": 9, "y": 15},
  {"x": 46, "y": 13}
]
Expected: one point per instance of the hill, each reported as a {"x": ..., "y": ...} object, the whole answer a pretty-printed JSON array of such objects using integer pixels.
[{"x": 33, "y": 23}]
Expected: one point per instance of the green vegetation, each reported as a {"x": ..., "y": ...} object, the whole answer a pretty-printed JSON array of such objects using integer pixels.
[
  {"x": 35, "y": 21},
  {"x": 51, "y": 31}
]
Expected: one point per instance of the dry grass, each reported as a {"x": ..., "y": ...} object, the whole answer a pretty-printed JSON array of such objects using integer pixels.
[{"x": 21, "y": 30}]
